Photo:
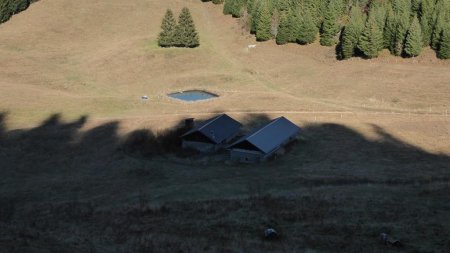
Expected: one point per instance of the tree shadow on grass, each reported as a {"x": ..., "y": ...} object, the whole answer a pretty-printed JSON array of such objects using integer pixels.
[{"x": 58, "y": 178}]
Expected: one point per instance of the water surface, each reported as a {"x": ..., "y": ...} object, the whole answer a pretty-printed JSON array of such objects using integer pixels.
[{"x": 192, "y": 95}]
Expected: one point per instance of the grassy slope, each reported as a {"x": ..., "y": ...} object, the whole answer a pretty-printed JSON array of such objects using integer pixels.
[
  {"x": 52, "y": 63},
  {"x": 69, "y": 187}
]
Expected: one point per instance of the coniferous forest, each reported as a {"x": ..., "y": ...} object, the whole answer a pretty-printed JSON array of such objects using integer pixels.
[{"x": 356, "y": 28}]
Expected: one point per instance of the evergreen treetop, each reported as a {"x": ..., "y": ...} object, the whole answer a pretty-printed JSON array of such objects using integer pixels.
[
  {"x": 186, "y": 35},
  {"x": 413, "y": 44},
  {"x": 263, "y": 22},
  {"x": 167, "y": 35},
  {"x": 444, "y": 45},
  {"x": 371, "y": 41},
  {"x": 352, "y": 32}
]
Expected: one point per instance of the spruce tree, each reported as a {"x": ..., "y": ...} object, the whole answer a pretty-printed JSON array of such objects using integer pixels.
[
  {"x": 330, "y": 26},
  {"x": 254, "y": 16},
  {"x": 426, "y": 20},
  {"x": 282, "y": 5},
  {"x": 444, "y": 45},
  {"x": 263, "y": 23},
  {"x": 402, "y": 26},
  {"x": 307, "y": 29},
  {"x": 236, "y": 7},
  {"x": 413, "y": 44},
  {"x": 371, "y": 41},
  {"x": 352, "y": 32},
  {"x": 379, "y": 11},
  {"x": 167, "y": 35},
  {"x": 442, "y": 18},
  {"x": 227, "y": 7},
  {"x": 6, "y": 10},
  {"x": 390, "y": 29},
  {"x": 415, "y": 5},
  {"x": 284, "y": 29},
  {"x": 313, "y": 8},
  {"x": 250, "y": 5},
  {"x": 186, "y": 35}
]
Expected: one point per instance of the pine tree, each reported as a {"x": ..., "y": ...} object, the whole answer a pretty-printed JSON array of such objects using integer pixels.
[
  {"x": 250, "y": 6},
  {"x": 186, "y": 35},
  {"x": 352, "y": 32},
  {"x": 263, "y": 23},
  {"x": 401, "y": 31},
  {"x": 282, "y": 5},
  {"x": 284, "y": 29},
  {"x": 167, "y": 36},
  {"x": 442, "y": 18},
  {"x": 307, "y": 30},
  {"x": 379, "y": 11},
  {"x": 415, "y": 5},
  {"x": 413, "y": 45},
  {"x": 330, "y": 26},
  {"x": 397, "y": 25},
  {"x": 236, "y": 7},
  {"x": 371, "y": 41},
  {"x": 390, "y": 29},
  {"x": 444, "y": 45},
  {"x": 313, "y": 7},
  {"x": 426, "y": 20},
  {"x": 228, "y": 7},
  {"x": 6, "y": 10},
  {"x": 254, "y": 16}
]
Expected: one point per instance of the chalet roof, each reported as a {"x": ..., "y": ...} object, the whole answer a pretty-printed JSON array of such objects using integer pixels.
[
  {"x": 270, "y": 136},
  {"x": 217, "y": 129}
]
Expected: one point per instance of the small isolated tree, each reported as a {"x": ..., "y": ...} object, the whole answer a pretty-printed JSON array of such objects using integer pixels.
[
  {"x": 371, "y": 41},
  {"x": 413, "y": 44},
  {"x": 263, "y": 23},
  {"x": 307, "y": 29},
  {"x": 330, "y": 25},
  {"x": 352, "y": 32},
  {"x": 186, "y": 35},
  {"x": 444, "y": 45},
  {"x": 167, "y": 35}
]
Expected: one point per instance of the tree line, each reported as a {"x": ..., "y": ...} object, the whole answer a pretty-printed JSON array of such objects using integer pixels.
[
  {"x": 181, "y": 34},
  {"x": 357, "y": 28},
  {"x": 11, "y": 7}
]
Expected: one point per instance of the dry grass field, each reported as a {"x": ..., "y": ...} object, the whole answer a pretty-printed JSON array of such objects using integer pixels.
[{"x": 374, "y": 155}]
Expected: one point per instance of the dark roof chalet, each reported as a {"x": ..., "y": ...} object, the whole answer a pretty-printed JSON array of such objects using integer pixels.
[
  {"x": 217, "y": 129},
  {"x": 270, "y": 136}
]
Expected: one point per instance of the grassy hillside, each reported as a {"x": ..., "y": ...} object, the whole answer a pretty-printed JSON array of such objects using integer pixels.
[
  {"x": 374, "y": 154},
  {"x": 337, "y": 189}
]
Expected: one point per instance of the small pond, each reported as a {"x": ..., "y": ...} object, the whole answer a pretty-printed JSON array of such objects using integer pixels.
[{"x": 192, "y": 95}]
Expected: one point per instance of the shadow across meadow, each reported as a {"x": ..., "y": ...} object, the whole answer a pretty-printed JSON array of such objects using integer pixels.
[{"x": 67, "y": 189}]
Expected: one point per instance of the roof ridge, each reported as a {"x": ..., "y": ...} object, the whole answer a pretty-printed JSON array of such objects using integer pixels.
[
  {"x": 265, "y": 126},
  {"x": 211, "y": 121}
]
